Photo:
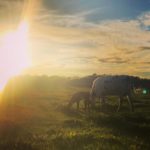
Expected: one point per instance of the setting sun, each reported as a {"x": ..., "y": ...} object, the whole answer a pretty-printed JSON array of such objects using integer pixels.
[
  {"x": 14, "y": 47},
  {"x": 74, "y": 74}
]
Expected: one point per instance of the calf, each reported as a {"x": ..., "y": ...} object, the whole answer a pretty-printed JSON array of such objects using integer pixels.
[{"x": 79, "y": 96}]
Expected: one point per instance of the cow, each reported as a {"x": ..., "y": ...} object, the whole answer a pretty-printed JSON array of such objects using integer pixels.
[
  {"x": 112, "y": 86},
  {"x": 79, "y": 96}
]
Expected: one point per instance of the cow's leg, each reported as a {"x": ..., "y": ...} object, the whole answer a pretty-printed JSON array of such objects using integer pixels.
[
  {"x": 69, "y": 104},
  {"x": 88, "y": 104},
  {"x": 92, "y": 98},
  {"x": 93, "y": 105},
  {"x": 78, "y": 104},
  {"x": 130, "y": 102},
  {"x": 87, "y": 107},
  {"x": 103, "y": 102},
  {"x": 85, "y": 104},
  {"x": 93, "y": 101},
  {"x": 120, "y": 103}
]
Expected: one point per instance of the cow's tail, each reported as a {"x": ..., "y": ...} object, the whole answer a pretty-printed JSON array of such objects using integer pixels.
[
  {"x": 92, "y": 95},
  {"x": 92, "y": 91}
]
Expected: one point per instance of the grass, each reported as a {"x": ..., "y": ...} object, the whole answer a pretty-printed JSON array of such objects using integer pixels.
[{"x": 41, "y": 120}]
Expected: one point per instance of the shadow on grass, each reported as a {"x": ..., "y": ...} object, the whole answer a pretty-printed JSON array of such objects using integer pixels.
[
  {"x": 70, "y": 111},
  {"x": 73, "y": 123},
  {"x": 127, "y": 124},
  {"x": 84, "y": 142},
  {"x": 14, "y": 137}
]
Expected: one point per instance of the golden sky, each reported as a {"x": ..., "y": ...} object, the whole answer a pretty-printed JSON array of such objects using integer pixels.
[{"x": 66, "y": 37}]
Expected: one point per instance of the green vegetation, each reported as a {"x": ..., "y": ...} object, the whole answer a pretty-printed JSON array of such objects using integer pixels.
[{"x": 39, "y": 119}]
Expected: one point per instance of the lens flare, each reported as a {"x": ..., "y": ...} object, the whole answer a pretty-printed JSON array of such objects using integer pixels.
[{"x": 14, "y": 55}]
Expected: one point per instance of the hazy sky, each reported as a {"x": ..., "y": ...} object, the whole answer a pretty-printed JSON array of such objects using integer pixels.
[{"x": 80, "y": 37}]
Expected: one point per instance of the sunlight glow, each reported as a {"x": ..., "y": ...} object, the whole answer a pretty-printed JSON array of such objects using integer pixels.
[{"x": 14, "y": 55}]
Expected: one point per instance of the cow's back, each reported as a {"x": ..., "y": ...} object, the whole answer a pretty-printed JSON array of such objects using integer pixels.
[{"x": 111, "y": 85}]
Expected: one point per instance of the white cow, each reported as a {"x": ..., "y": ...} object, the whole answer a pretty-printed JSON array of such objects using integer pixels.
[{"x": 112, "y": 85}]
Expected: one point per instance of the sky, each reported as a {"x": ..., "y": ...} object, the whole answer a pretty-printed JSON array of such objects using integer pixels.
[{"x": 80, "y": 37}]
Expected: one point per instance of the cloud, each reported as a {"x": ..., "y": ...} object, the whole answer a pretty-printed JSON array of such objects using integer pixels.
[
  {"x": 54, "y": 17},
  {"x": 116, "y": 60},
  {"x": 143, "y": 74},
  {"x": 107, "y": 46},
  {"x": 145, "y": 18},
  {"x": 145, "y": 48},
  {"x": 106, "y": 10},
  {"x": 146, "y": 62},
  {"x": 66, "y": 39},
  {"x": 14, "y": 11},
  {"x": 70, "y": 41},
  {"x": 11, "y": 10}
]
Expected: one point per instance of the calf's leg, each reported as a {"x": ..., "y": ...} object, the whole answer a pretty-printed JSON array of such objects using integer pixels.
[
  {"x": 130, "y": 103},
  {"x": 86, "y": 104},
  {"x": 103, "y": 101},
  {"x": 78, "y": 103}
]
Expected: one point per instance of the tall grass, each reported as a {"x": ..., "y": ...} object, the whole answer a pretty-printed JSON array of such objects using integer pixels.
[{"x": 40, "y": 120}]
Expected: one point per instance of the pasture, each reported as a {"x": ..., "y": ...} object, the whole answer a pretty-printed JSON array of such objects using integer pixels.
[{"x": 40, "y": 120}]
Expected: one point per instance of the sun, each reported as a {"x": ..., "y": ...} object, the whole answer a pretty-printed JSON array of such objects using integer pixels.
[{"x": 14, "y": 53}]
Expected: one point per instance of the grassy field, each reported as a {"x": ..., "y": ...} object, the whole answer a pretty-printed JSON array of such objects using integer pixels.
[{"x": 41, "y": 120}]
